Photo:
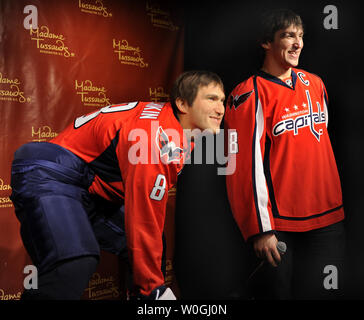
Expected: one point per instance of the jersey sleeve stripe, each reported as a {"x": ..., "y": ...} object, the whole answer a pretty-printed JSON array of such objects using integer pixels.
[{"x": 259, "y": 183}]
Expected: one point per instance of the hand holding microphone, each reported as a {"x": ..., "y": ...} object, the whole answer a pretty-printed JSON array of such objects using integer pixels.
[
  {"x": 266, "y": 253},
  {"x": 267, "y": 247}
]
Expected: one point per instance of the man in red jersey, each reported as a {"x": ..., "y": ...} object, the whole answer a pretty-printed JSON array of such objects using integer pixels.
[
  {"x": 286, "y": 186},
  {"x": 68, "y": 192}
]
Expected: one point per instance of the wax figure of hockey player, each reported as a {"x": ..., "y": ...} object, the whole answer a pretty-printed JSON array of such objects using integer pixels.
[
  {"x": 286, "y": 184},
  {"x": 68, "y": 192}
]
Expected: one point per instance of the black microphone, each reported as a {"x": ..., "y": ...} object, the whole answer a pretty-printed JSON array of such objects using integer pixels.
[{"x": 281, "y": 247}]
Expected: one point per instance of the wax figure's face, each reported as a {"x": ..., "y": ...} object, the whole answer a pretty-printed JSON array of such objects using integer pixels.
[
  {"x": 207, "y": 109},
  {"x": 286, "y": 47}
]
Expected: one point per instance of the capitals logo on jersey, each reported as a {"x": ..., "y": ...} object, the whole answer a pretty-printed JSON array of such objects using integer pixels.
[
  {"x": 167, "y": 147},
  {"x": 307, "y": 120}
]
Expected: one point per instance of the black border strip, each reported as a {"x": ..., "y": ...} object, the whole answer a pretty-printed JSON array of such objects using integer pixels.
[{"x": 310, "y": 217}]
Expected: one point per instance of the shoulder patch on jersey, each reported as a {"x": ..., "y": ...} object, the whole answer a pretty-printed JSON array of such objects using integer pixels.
[
  {"x": 236, "y": 101},
  {"x": 167, "y": 147}
]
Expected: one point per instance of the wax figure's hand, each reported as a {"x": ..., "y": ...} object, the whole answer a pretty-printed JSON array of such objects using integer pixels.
[{"x": 265, "y": 247}]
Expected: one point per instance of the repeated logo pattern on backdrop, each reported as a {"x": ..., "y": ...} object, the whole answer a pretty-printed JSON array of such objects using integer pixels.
[{"x": 76, "y": 56}]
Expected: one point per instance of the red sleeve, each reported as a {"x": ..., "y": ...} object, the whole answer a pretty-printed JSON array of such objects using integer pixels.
[
  {"x": 146, "y": 195},
  {"x": 246, "y": 186}
]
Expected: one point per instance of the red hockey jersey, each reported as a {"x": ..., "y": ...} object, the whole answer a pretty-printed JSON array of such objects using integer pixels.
[
  {"x": 136, "y": 151},
  {"x": 286, "y": 176}
]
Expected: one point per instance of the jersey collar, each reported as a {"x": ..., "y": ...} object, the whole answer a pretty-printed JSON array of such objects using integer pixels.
[{"x": 276, "y": 80}]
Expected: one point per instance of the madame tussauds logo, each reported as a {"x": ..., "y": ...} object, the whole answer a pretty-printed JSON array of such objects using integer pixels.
[
  {"x": 160, "y": 18},
  {"x": 9, "y": 296},
  {"x": 5, "y": 190},
  {"x": 50, "y": 43},
  {"x": 44, "y": 133},
  {"x": 158, "y": 94},
  {"x": 128, "y": 54},
  {"x": 4, "y": 186},
  {"x": 94, "y": 8},
  {"x": 91, "y": 95},
  {"x": 10, "y": 90},
  {"x": 102, "y": 287}
]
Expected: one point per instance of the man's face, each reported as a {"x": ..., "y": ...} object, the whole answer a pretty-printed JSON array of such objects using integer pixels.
[
  {"x": 207, "y": 109},
  {"x": 286, "y": 47}
]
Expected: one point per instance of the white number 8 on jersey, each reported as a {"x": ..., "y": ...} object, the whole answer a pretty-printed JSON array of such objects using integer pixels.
[{"x": 159, "y": 188}]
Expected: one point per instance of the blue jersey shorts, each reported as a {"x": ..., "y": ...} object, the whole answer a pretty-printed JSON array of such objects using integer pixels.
[{"x": 59, "y": 218}]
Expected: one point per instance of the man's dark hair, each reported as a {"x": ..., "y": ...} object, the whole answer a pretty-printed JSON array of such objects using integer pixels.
[
  {"x": 187, "y": 84},
  {"x": 275, "y": 20}
]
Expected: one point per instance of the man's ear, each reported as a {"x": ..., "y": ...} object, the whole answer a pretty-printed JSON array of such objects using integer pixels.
[
  {"x": 266, "y": 45},
  {"x": 182, "y": 105}
]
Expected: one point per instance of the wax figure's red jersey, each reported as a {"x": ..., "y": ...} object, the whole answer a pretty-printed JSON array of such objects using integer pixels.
[
  {"x": 286, "y": 176},
  {"x": 136, "y": 151}
]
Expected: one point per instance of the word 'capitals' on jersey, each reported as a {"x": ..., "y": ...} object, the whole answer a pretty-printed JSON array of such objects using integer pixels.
[{"x": 303, "y": 121}]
